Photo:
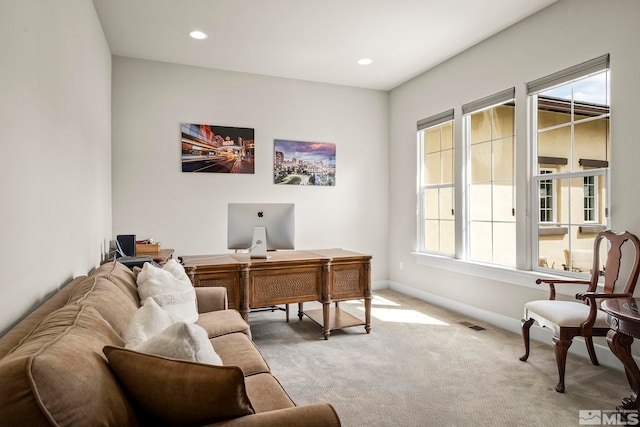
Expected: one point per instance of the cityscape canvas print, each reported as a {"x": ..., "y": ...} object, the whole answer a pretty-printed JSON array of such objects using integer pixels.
[
  {"x": 217, "y": 149},
  {"x": 304, "y": 163}
]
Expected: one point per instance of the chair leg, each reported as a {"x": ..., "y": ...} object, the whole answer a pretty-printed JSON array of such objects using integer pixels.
[
  {"x": 526, "y": 325},
  {"x": 591, "y": 350},
  {"x": 561, "y": 347}
]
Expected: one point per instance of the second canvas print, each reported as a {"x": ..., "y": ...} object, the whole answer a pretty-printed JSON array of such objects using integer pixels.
[{"x": 304, "y": 163}]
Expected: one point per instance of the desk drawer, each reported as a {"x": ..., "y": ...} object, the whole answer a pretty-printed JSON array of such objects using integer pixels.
[
  {"x": 285, "y": 286},
  {"x": 348, "y": 281}
]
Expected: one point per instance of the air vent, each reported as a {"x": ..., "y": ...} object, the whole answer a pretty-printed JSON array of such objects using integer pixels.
[{"x": 472, "y": 326}]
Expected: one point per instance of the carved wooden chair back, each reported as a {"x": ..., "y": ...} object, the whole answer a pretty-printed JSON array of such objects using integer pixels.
[{"x": 623, "y": 257}]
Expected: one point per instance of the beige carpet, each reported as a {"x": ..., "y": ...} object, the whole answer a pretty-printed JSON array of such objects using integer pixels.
[{"x": 424, "y": 366}]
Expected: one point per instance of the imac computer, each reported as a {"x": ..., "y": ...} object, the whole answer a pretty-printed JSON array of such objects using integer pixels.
[{"x": 260, "y": 227}]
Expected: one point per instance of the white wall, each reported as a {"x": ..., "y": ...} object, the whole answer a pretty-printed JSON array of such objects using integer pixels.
[
  {"x": 55, "y": 166},
  {"x": 188, "y": 211},
  {"x": 562, "y": 35}
]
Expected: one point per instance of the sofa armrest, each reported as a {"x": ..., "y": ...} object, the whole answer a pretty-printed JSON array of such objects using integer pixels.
[
  {"x": 322, "y": 415},
  {"x": 211, "y": 299}
]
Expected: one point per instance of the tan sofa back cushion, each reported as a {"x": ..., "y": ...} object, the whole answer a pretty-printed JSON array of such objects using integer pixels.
[
  {"x": 122, "y": 277},
  {"x": 58, "y": 375},
  {"x": 115, "y": 306},
  {"x": 9, "y": 340}
]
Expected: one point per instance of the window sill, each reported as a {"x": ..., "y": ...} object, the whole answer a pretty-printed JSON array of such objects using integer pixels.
[
  {"x": 552, "y": 230},
  {"x": 494, "y": 272},
  {"x": 591, "y": 229}
]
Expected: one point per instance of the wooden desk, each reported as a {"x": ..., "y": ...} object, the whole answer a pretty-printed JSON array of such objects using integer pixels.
[
  {"x": 287, "y": 277},
  {"x": 624, "y": 319},
  {"x": 163, "y": 256},
  {"x": 160, "y": 258}
]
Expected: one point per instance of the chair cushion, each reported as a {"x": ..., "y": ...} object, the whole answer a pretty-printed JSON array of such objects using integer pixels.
[
  {"x": 564, "y": 313},
  {"x": 177, "y": 392}
]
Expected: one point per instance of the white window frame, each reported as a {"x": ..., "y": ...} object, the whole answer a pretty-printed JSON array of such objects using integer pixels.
[
  {"x": 527, "y": 270},
  {"x": 594, "y": 206},
  {"x": 424, "y": 125},
  {"x": 565, "y": 77},
  {"x": 490, "y": 102},
  {"x": 550, "y": 183}
]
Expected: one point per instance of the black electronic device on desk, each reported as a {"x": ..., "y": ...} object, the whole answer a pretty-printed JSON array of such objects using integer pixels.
[{"x": 126, "y": 251}]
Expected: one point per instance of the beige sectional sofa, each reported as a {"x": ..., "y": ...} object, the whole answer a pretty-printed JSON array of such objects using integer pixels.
[{"x": 65, "y": 365}]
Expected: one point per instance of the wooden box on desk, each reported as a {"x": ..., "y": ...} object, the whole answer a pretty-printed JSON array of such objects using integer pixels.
[{"x": 152, "y": 249}]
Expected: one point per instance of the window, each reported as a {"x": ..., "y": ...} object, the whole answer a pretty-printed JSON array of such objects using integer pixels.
[
  {"x": 437, "y": 213},
  {"x": 564, "y": 185},
  {"x": 590, "y": 199},
  {"x": 571, "y": 132},
  {"x": 547, "y": 198},
  {"x": 489, "y": 140}
]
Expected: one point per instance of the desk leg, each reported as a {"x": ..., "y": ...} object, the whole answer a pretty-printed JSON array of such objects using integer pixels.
[
  {"x": 367, "y": 314},
  {"x": 326, "y": 326},
  {"x": 367, "y": 296},
  {"x": 244, "y": 294},
  {"x": 620, "y": 345},
  {"x": 300, "y": 310}
]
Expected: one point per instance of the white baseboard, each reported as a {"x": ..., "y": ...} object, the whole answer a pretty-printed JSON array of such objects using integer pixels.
[
  {"x": 605, "y": 356},
  {"x": 380, "y": 284}
]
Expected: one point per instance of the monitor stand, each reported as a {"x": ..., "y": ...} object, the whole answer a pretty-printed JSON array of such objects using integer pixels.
[{"x": 259, "y": 243}]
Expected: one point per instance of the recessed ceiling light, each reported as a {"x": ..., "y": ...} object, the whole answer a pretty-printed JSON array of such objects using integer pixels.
[
  {"x": 198, "y": 35},
  {"x": 364, "y": 61}
]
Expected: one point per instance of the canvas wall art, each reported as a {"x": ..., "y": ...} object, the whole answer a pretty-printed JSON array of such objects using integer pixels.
[
  {"x": 217, "y": 149},
  {"x": 304, "y": 163}
]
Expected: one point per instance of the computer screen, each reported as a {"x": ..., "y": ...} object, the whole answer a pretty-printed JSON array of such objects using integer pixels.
[{"x": 278, "y": 220}]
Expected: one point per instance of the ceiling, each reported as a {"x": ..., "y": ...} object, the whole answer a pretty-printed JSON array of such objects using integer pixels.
[{"x": 311, "y": 40}]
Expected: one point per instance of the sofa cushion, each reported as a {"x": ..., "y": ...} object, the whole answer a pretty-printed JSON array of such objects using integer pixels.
[
  {"x": 121, "y": 276},
  {"x": 266, "y": 393},
  {"x": 185, "y": 341},
  {"x": 58, "y": 374},
  {"x": 14, "y": 336},
  {"x": 177, "y": 392},
  {"x": 171, "y": 288},
  {"x": 223, "y": 322},
  {"x": 238, "y": 350},
  {"x": 148, "y": 321},
  {"x": 115, "y": 306}
]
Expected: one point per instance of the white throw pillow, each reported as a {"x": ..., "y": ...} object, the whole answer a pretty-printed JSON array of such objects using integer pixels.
[
  {"x": 184, "y": 341},
  {"x": 171, "y": 288},
  {"x": 148, "y": 321}
]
